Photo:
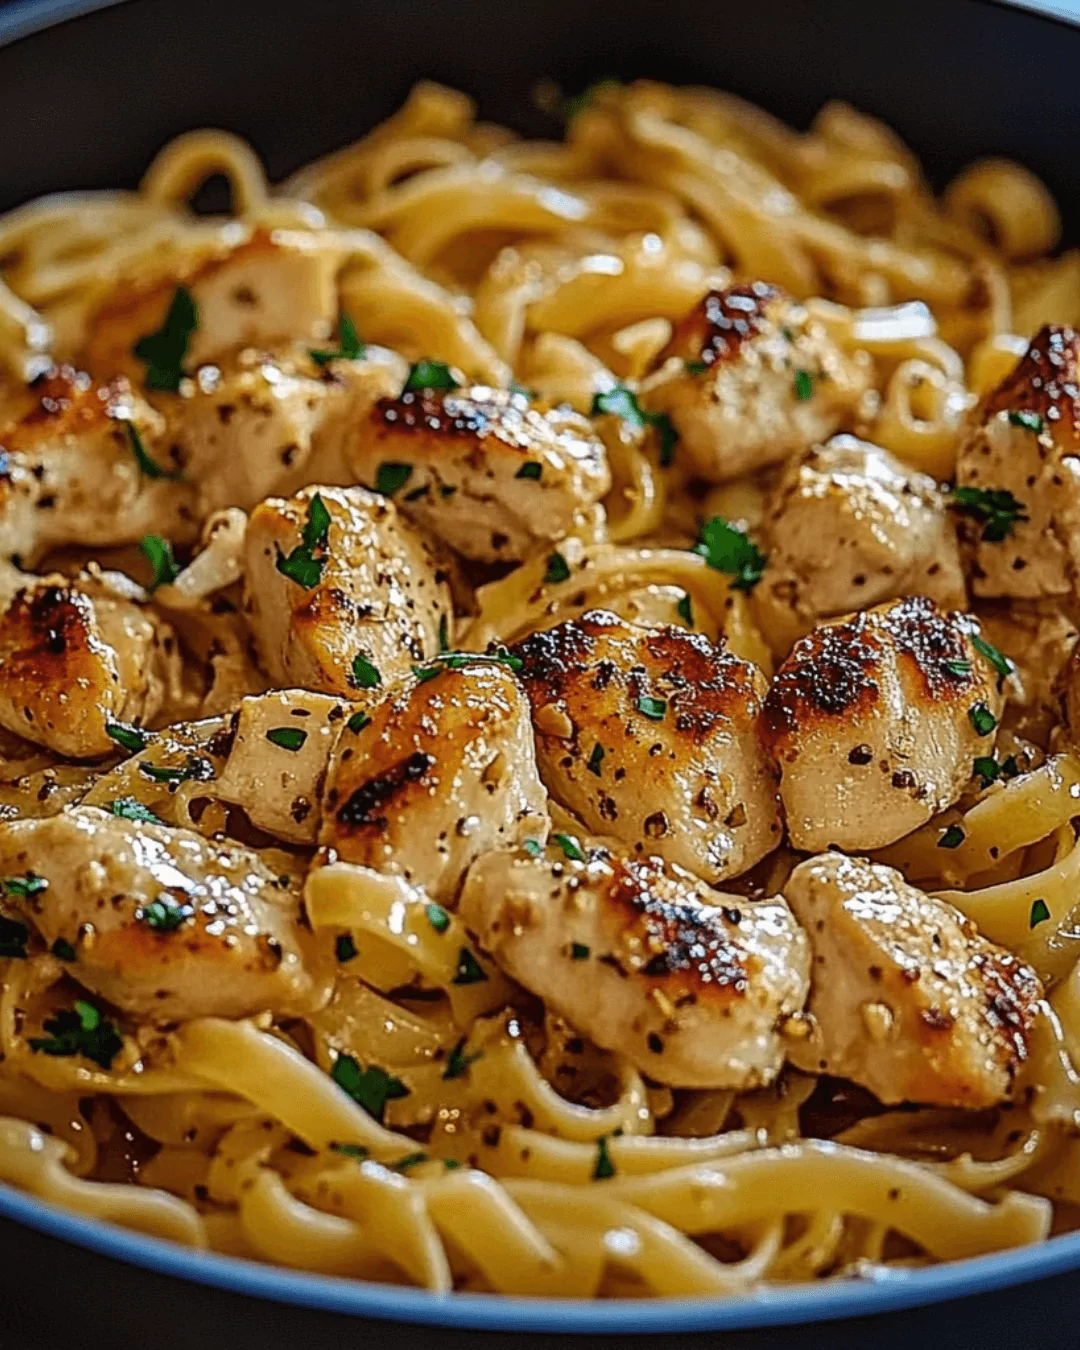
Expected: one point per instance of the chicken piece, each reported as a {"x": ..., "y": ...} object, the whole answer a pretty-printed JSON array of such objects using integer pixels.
[
  {"x": 653, "y": 736},
  {"x": 1024, "y": 439},
  {"x": 875, "y": 722},
  {"x": 691, "y": 985},
  {"x": 480, "y": 467},
  {"x": 280, "y": 744},
  {"x": 749, "y": 379},
  {"x": 849, "y": 527},
  {"x": 249, "y": 289},
  {"x": 1039, "y": 638},
  {"x": 165, "y": 924},
  {"x": 78, "y": 656},
  {"x": 907, "y": 998},
  {"x": 358, "y": 608},
  {"x": 259, "y": 423},
  {"x": 443, "y": 772},
  {"x": 70, "y": 472}
]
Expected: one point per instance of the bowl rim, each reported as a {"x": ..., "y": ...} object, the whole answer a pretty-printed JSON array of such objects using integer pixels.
[{"x": 885, "y": 1291}]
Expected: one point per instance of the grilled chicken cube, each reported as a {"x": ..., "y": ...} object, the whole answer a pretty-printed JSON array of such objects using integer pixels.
[
  {"x": 691, "y": 985},
  {"x": 248, "y": 289},
  {"x": 653, "y": 736},
  {"x": 443, "y": 772},
  {"x": 258, "y": 422},
  {"x": 1023, "y": 448},
  {"x": 357, "y": 606},
  {"x": 906, "y": 997},
  {"x": 849, "y": 527},
  {"x": 490, "y": 475},
  {"x": 875, "y": 722},
  {"x": 70, "y": 470},
  {"x": 749, "y": 379},
  {"x": 279, "y": 747},
  {"x": 165, "y": 924},
  {"x": 76, "y": 657},
  {"x": 1039, "y": 638}
]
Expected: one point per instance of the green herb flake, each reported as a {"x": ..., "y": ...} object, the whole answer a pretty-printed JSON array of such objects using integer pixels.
[
  {"x": 499, "y": 656},
  {"x": 80, "y": 1030},
  {"x": 164, "y": 915},
  {"x": 130, "y": 808},
  {"x": 996, "y": 508},
  {"x": 982, "y": 719},
  {"x": 953, "y": 837},
  {"x": 370, "y": 1088},
  {"x": 575, "y": 104},
  {"x": 469, "y": 970},
  {"x": 458, "y": 1063},
  {"x": 444, "y": 632},
  {"x": 358, "y": 721},
  {"x": 579, "y": 951},
  {"x": 305, "y": 563},
  {"x": 622, "y": 402},
  {"x": 130, "y": 738},
  {"x": 804, "y": 385},
  {"x": 160, "y": 555},
  {"x": 558, "y": 569},
  {"x": 532, "y": 468},
  {"x": 957, "y": 668},
  {"x": 570, "y": 847},
  {"x": 430, "y": 375},
  {"x": 696, "y": 367},
  {"x": 345, "y": 948},
  {"x": 410, "y": 1160},
  {"x": 287, "y": 738},
  {"x": 1040, "y": 912},
  {"x": 163, "y": 352},
  {"x": 349, "y": 347},
  {"x": 364, "y": 674},
  {"x": 392, "y": 477},
  {"x": 652, "y": 708},
  {"x": 596, "y": 759},
  {"x": 357, "y": 1151},
  {"x": 148, "y": 466},
  {"x": 998, "y": 660},
  {"x": 437, "y": 917},
  {"x": 533, "y": 847},
  {"x": 685, "y": 610},
  {"x": 13, "y": 939},
  {"x": 604, "y": 1168},
  {"x": 728, "y": 550},
  {"x": 63, "y": 950},
  {"x": 1030, "y": 421},
  {"x": 25, "y": 886}
]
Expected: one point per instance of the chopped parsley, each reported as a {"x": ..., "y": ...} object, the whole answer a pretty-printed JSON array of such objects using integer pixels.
[
  {"x": 391, "y": 477},
  {"x": 437, "y": 917},
  {"x": 603, "y": 1168},
  {"x": 998, "y": 660},
  {"x": 653, "y": 708},
  {"x": 685, "y": 610},
  {"x": 622, "y": 402},
  {"x": 80, "y": 1030},
  {"x": 804, "y": 385},
  {"x": 596, "y": 759},
  {"x": 558, "y": 569},
  {"x": 729, "y": 550},
  {"x": 696, "y": 367},
  {"x": 957, "y": 668},
  {"x": 410, "y": 1160},
  {"x": 570, "y": 847},
  {"x": 996, "y": 508},
  {"x": 63, "y": 950},
  {"x": 1030, "y": 421},
  {"x": 989, "y": 770},
  {"x": 370, "y": 1088},
  {"x": 532, "y": 468},
  {"x": 130, "y": 808},
  {"x": 26, "y": 886},
  {"x": 456, "y": 660},
  {"x": 197, "y": 768},
  {"x": 357, "y": 1151},
  {"x": 982, "y": 719},
  {"x": 458, "y": 1063},
  {"x": 364, "y": 674},
  {"x": 1040, "y": 912},
  {"x": 469, "y": 970},
  {"x": 444, "y": 632},
  {"x": 130, "y": 738},
  {"x": 533, "y": 847},
  {"x": 430, "y": 375},
  {"x": 164, "y": 915},
  {"x": 288, "y": 738},
  {"x": 163, "y": 352},
  {"x": 349, "y": 346},
  {"x": 13, "y": 939},
  {"x": 358, "y": 721},
  {"x": 146, "y": 464},
  {"x": 160, "y": 555},
  {"x": 953, "y": 837},
  {"x": 345, "y": 948},
  {"x": 579, "y": 951},
  {"x": 305, "y": 563}
]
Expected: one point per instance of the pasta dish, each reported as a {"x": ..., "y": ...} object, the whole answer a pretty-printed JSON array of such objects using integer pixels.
[{"x": 539, "y": 710}]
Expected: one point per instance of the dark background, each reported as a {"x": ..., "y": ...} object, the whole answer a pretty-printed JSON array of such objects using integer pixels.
[{"x": 88, "y": 104}]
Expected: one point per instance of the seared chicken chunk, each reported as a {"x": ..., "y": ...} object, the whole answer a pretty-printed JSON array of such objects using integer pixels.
[
  {"x": 1024, "y": 440},
  {"x": 443, "y": 772},
  {"x": 691, "y": 985},
  {"x": 1038, "y": 638},
  {"x": 165, "y": 924},
  {"x": 258, "y": 422},
  {"x": 907, "y": 998},
  {"x": 653, "y": 736},
  {"x": 358, "y": 605},
  {"x": 70, "y": 471},
  {"x": 248, "y": 289},
  {"x": 875, "y": 722},
  {"x": 77, "y": 657},
  {"x": 748, "y": 379},
  {"x": 279, "y": 747},
  {"x": 850, "y": 526},
  {"x": 487, "y": 473}
]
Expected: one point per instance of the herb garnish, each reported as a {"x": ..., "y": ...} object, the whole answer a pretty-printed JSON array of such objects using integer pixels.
[
  {"x": 142, "y": 456},
  {"x": 391, "y": 477},
  {"x": 288, "y": 738},
  {"x": 130, "y": 808},
  {"x": 570, "y": 847},
  {"x": 358, "y": 721},
  {"x": 345, "y": 948},
  {"x": 575, "y": 104},
  {"x": 456, "y": 660},
  {"x": 437, "y": 917},
  {"x": 596, "y": 759},
  {"x": 469, "y": 970},
  {"x": 685, "y": 611},
  {"x": 604, "y": 1168},
  {"x": 532, "y": 468},
  {"x": 357, "y": 1151},
  {"x": 1030, "y": 421},
  {"x": 370, "y": 1088},
  {"x": 729, "y": 550},
  {"x": 1040, "y": 912},
  {"x": 622, "y": 402},
  {"x": 989, "y": 770},
  {"x": 533, "y": 847},
  {"x": 305, "y": 563},
  {"x": 957, "y": 668},
  {"x": 579, "y": 951},
  {"x": 558, "y": 569},
  {"x": 349, "y": 347},
  {"x": 26, "y": 886},
  {"x": 130, "y": 738},
  {"x": 410, "y": 1160},
  {"x": 163, "y": 352},
  {"x": 804, "y": 385},
  {"x": 63, "y": 950},
  {"x": 165, "y": 915},
  {"x": 160, "y": 555},
  {"x": 997, "y": 659},
  {"x": 430, "y": 375},
  {"x": 365, "y": 675},
  {"x": 982, "y": 719},
  {"x": 997, "y": 508},
  {"x": 458, "y": 1063},
  {"x": 80, "y": 1031},
  {"x": 653, "y": 708},
  {"x": 953, "y": 837}
]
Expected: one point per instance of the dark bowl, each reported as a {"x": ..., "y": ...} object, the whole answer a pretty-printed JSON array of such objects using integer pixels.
[{"x": 88, "y": 92}]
